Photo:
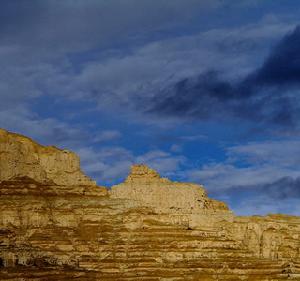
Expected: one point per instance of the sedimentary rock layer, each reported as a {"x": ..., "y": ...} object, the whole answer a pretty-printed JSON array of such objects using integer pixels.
[{"x": 147, "y": 228}]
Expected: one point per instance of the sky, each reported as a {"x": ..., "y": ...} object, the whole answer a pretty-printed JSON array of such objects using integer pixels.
[{"x": 204, "y": 91}]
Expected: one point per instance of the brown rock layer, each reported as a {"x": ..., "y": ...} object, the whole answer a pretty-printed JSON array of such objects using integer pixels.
[{"x": 56, "y": 228}]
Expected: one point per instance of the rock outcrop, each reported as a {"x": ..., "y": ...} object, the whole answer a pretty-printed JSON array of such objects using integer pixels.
[
  {"x": 20, "y": 156},
  {"x": 146, "y": 187},
  {"x": 56, "y": 224}
]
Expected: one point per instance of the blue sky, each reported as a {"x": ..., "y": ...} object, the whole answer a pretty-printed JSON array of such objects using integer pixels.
[{"x": 202, "y": 91}]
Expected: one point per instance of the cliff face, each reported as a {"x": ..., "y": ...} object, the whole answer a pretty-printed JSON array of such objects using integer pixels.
[
  {"x": 56, "y": 224},
  {"x": 20, "y": 156},
  {"x": 146, "y": 187}
]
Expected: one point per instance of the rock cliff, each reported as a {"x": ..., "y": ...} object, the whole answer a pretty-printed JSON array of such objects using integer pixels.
[
  {"x": 146, "y": 187},
  {"x": 56, "y": 224},
  {"x": 20, "y": 156}
]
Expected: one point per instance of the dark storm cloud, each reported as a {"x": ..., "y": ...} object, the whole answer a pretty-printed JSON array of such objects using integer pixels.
[
  {"x": 194, "y": 97},
  {"x": 267, "y": 95},
  {"x": 282, "y": 67}
]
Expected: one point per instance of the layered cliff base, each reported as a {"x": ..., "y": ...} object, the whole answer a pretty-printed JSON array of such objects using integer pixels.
[{"x": 56, "y": 224}]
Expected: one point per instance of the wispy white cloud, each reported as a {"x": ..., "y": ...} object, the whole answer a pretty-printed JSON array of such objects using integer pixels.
[
  {"x": 263, "y": 205},
  {"x": 106, "y": 136},
  {"x": 111, "y": 164},
  {"x": 251, "y": 165}
]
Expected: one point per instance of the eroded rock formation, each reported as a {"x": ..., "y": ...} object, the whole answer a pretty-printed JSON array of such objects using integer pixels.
[
  {"x": 56, "y": 224},
  {"x": 20, "y": 156},
  {"x": 146, "y": 187}
]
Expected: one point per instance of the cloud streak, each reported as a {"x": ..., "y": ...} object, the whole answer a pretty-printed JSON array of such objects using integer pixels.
[
  {"x": 111, "y": 164},
  {"x": 263, "y": 171}
]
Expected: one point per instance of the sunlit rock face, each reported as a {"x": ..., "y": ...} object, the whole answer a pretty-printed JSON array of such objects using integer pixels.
[
  {"x": 20, "y": 156},
  {"x": 56, "y": 224},
  {"x": 146, "y": 187}
]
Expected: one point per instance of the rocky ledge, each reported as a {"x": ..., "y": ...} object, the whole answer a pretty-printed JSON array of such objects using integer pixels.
[{"x": 57, "y": 224}]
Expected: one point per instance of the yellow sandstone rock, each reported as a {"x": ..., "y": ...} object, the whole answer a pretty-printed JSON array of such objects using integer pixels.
[
  {"x": 145, "y": 186},
  {"x": 56, "y": 224},
  {"x": 20, "y": 156}
]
